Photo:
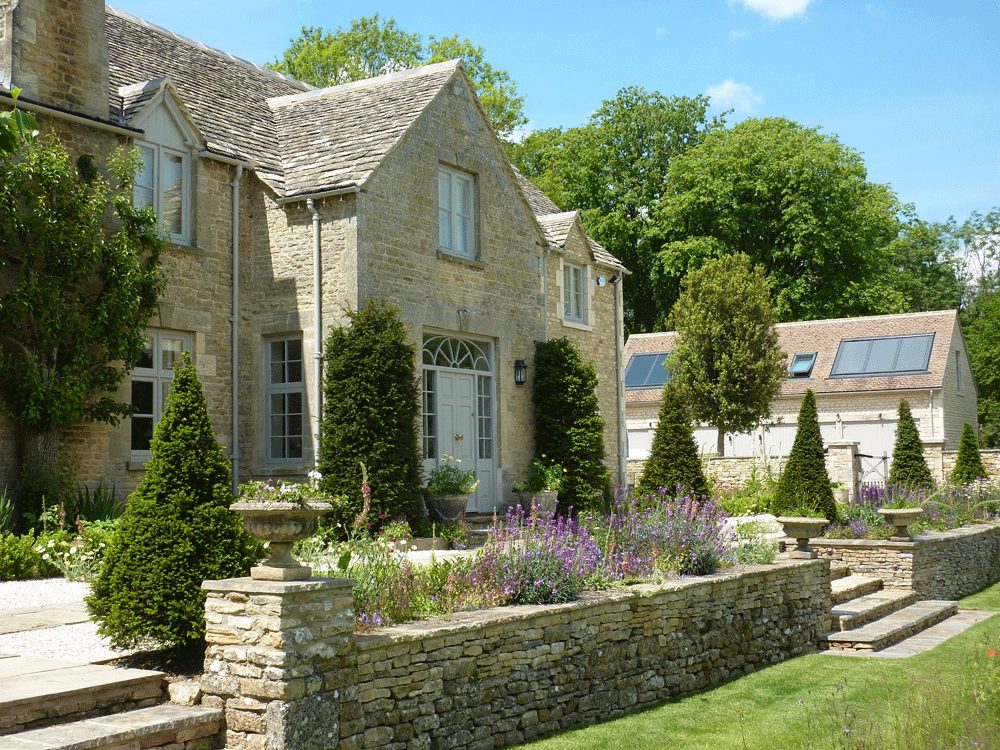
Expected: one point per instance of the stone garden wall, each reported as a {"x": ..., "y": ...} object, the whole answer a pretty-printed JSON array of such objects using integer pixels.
[
  {"x": 937, "y": 565},
  {"x": 289, "y": 672}
]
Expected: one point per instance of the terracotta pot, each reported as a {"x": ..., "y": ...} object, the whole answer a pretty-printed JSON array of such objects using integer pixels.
[
  {"x": 900, "y": 519},
  {"x": 802, "y": 529},
  {"x": 280, "y": 525},
  {"x": 446, "y": 508}
]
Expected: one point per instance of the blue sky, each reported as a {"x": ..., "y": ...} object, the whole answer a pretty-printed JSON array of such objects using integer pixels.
[{"x": 912, "y": 84}]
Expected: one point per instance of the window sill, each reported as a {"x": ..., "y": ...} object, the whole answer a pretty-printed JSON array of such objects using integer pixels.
[
  {"x": 283, "y": 470},
  {"x": 137, "y": 463},
  {"x": 577, "y": 325},
  {"x": 445, "y": 255}
]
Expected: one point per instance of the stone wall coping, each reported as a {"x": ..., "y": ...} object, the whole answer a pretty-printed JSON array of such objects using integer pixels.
[
  {"x": 842, "y": 443},
  {"x": 474, "y": 621},
  {"x": 249, "y": 585},
  {"x": 928, "y": 537}
]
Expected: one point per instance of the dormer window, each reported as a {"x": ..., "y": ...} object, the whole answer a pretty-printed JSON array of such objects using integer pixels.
[
  {"x": 802, "y": 365},
  {"x": 456, "y": 212},
  {"x": 163, "y": 185}
]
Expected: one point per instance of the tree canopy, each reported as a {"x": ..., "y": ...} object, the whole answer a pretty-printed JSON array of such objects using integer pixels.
[
  {"x": 727, "y": 363},
  {"x": 372, "y": 46},
  {"x": 798, "y": 203}
]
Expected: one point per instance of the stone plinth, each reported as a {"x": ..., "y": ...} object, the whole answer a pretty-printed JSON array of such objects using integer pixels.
[{"x": 276, "y": 651}]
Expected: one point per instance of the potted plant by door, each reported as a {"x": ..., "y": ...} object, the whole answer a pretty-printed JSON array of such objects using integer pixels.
[
  {"x": 281, "y": 514},
  {"x": 802, "y": 524},
  {"x": 448, "y": 490},
  {"x": 542, "y": 487}
]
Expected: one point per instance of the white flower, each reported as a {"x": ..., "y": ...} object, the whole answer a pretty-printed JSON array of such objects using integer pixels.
[
  {"x": 315, "y": 475},
  {"x": 286, "y": 488},
  {"x": 39, "y": 548},
  {"x": 52, "y": 543},
  {"x": 45, "y": 556}
]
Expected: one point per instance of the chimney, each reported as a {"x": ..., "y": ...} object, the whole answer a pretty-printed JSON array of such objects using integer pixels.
[{"x": 56, "y": 52}]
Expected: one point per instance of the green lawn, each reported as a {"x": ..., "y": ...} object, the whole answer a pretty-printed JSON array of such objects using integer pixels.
[{"x": 824, "y": 701}]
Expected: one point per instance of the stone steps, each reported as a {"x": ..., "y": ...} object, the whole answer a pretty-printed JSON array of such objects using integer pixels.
[
  {"x": 165, "y": 726},
  {"x": 864, "y": 609},
  {"x": 838, "y": 570},
  {"x": 892, "y": 628},
  {"x": 852, "y": 586}
]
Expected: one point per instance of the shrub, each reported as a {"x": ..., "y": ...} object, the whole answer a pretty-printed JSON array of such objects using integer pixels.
[
  {"x": 805, "y": 482},
  {"x": 21, "y": 559},
  {"x": 909, "y": 468},
  {"x": 756, "y": 496},
  {"x": 674, "y": 462},
  {"x": 752, "y": 547},
  {"x": 968, "y": 464},
  {"x": 569, "y": 429},
  {"x": 99, "y": 504},
  {"x": 371, "y": 408},
  {"x": 6, "y": 511},
  {"x": 177, "y": 531}
]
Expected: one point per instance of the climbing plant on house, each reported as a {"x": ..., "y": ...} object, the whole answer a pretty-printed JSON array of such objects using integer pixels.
[
  {"x": 805, "y": 483},
  {"x": 909, "y": 467},
  {"x": 569, "y": 430},
  {"x": 674, "y": 462}
]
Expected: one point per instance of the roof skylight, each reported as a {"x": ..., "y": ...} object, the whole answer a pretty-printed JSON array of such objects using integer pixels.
[
  {"x": 802, "y": 364},
  {"x": 887, "y": 355},
  {"x": 646, "y": 371}
]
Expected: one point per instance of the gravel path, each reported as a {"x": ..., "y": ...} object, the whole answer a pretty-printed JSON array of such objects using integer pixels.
[{"x": 40, "y": 593}]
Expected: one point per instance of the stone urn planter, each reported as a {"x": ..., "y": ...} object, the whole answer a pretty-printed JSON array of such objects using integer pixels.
[
  {"x": 546, "y": 500},
  {"x": 280, "y": 525},
  {"x": 802, "y": 529},
  {"x": 900, "y": 519},
  {"x": 446, "y": 508}
]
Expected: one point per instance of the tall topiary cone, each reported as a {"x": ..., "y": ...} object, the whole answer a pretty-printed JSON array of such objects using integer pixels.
[
  {"x": 805, "y": 482},
  {"x": 177, "y": 531},
  {"x": 969, "y": 463},
  {"x": 674, "y": 461},
  {"x": 909, "y": 468}
]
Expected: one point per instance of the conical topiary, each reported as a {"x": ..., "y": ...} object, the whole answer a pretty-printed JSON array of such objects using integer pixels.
[
  {"x": 909, "y": 468},
  {"x": 674, "y": 462},
  {"x": 969, "y": 463},
  {"x": 177, "y": 531},
  {"x": 805, "y": 484}
]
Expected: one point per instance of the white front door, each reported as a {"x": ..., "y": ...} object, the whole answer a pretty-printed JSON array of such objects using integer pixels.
[{"x": 457, "y": 410}]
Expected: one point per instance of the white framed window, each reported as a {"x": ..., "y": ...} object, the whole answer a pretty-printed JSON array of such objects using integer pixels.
[
  {"x": 574, "y": 289},
  {"x": 285, "y": 415},
  {"x": 151, "y": 378},
  {"x": 456, "y": 212},
  {"x": 163, "y": 184}
]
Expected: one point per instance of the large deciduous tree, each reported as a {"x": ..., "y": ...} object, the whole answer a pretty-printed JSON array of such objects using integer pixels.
[
  {"x": 727, "y": 363},
  {"x": 798, "y": 203},
  {"x": 614, "y": 170},
  {"x": 79, "y": 278},
  {"x": 372, "y": 46}
]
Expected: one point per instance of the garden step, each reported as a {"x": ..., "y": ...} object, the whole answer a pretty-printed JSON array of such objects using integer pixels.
[
  {"x": 852, "y": 586},
  {"x": 165, "y": 726},
  {"x": 892, "y": 628},
  {"x": 41, "y": 692},
  {"x": 839, "y": 570},
  {"x": 864, "y": 609}
]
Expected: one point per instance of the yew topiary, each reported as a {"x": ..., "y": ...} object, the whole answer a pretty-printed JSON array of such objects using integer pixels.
[
  {"x": 674, "y": 462},
  {"x": 177, "y": 531},
  {"x": 969, "y": 463},
  {"x": 909, "y": 467},
  {"x": 805, "y": 483}
]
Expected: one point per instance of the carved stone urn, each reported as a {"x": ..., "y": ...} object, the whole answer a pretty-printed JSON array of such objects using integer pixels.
[
  {"x": 802, "y": 529},
  {"x": 900, "y": 519},
  {"x": 446, "y": 508},
  {"x": 280, "y": 525}
]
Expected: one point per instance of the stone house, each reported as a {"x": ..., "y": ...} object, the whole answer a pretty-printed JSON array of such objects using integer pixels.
[
  {"x": 858, "y": 368},
  {"x": 286, "y": 205}
]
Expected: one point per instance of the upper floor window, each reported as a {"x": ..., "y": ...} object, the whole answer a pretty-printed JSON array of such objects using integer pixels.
[
  {"x": 574, "y": 293},
  {"x": 802, "y": 365},
  {"x": 151, "y": 378},
  {"x": 162, "y": 184},
  {"x": 456, "y": 212},
  {"x": 885, "y": 355},
  {"x": 285, "y": 400}
]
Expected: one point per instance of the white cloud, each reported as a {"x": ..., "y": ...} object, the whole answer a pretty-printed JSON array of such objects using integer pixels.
[
  {"x": 732, "y": 95},
  {"x": 778, "y": 10}
]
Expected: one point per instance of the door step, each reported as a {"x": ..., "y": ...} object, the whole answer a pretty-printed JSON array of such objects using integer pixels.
[
  {"x": 892, "y": 628},
  {"x": 864, "y": 609},
  {"x": 852, "y": 586}
]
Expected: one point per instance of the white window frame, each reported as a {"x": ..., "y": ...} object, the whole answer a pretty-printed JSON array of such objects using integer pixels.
[
  {"x": 284, "y": 388},
  {"x": 160, "y": 376},
  {"x": 450, "y": 217},
  {"x": 155, "y": 185},
  {"x": 574, "y": 280}
]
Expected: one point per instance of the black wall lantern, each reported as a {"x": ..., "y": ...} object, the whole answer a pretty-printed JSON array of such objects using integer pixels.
[{"x": 520, "y": 372}]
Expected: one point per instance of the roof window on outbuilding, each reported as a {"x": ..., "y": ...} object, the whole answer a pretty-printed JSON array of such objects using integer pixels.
[
  {"x": 886, "y": 355},
  {"x": 802, "y": 365},
  {"x": 646, "y": 371}
]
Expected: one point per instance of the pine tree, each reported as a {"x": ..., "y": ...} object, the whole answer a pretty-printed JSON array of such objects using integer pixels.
[
  {"x": 674, "y": 462},
  {"x": 805, "y": 482},
  {"x": 909, "y": 468},
  {"x": 177, "y": 531},
  {"x": 969, "y": 463}
]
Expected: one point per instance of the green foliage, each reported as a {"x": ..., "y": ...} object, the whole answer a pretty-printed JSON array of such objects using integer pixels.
[
  {"x": 449, "y": 479},
  {"x": 46, "y": 487},
  {"x": 16, "y": 126},
  {"x": 614, "y": 170},
  {"x": 21, "y": 559},
  {"x": 925, "y": 266},
  {"x": 177, "y": 531},
  {"x": 372, "y": 46},
  {"x": 752, "y": 546},
  {"x": 805, "y": 482},
  {"x": 544, "y": 477},
  {"x": 909, "y": 468},
  {"x": 798, "y": 203},
  {"x": 969, "y": 464},
  {"x": 569, "y": 429},
  {"x": 6, "y": 511},
  {"x": 727, "y": 364},
  {"x": 674, "y": 462},
  {"x": 371, "y": 407},
  {"x": 755, "y": 496},
  {"x": 982, "y": 336},
  {"x": 101, "y": 503}
]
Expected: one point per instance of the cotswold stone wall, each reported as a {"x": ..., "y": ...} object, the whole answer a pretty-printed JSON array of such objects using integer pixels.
[
  {"x": 936, "y": 565},
  {"x": 284, "y": 664}
]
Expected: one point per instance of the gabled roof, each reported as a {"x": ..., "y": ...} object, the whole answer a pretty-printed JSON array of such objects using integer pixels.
[
  {"x": 824, "y": 337},
  {"x": 540, "y": 203},
  {"x": 557, "y": 226},
  {"x": 335, "y": 137},
  {"x": 141, "y": 98}
]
